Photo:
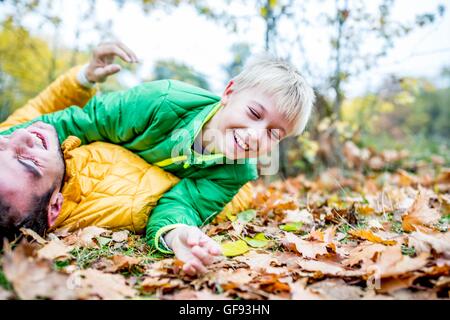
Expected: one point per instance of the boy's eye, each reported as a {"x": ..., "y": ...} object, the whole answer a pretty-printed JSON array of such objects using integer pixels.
[{"x": 253, "y": 111}]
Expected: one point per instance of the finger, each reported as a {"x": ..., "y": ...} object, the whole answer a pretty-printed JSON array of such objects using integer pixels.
[
  {"x": 214, "y": 248},
  {"x": 203, "y": 255},
  {"x": 199, "y": 267},
  {"x": 189, "y": 269},
  {"x": 193, "y": 238},
  {"x": 204, "y": 239},
  {"x": 128, "y": 51},
  {"x": 107, "y": 71},
  {"x": 114, "y": 49}
]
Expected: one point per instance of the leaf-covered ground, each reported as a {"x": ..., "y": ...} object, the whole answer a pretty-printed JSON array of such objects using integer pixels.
[{"x": 343, "y": 235}]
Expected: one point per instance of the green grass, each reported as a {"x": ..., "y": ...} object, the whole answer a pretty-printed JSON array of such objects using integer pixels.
[{"x": 4, "y": 283}]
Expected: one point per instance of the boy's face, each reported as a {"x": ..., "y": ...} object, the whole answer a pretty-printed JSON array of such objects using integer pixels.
[{"x": 248, "y": 126}]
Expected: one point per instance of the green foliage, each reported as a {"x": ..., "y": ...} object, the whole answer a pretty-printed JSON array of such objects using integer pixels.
[{"x": 4, "y": 283}]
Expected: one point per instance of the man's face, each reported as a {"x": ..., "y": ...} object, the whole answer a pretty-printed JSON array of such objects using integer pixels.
[
  {"x": 30, "y": 164},
  {"x": 248, "y": 126}
]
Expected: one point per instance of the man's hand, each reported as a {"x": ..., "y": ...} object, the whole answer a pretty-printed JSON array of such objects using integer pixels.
[
  {"x": 193, "y": 247},
  {"x": 101, "y": 65}
]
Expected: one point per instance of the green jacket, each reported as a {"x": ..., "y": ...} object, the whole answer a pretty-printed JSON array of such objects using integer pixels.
[{"x": 159, "y": 121}]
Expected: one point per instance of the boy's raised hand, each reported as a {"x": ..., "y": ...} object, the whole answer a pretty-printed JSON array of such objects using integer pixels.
[
  {"x": 102, "y": 64},
  {"x": 193, "y": 247}
]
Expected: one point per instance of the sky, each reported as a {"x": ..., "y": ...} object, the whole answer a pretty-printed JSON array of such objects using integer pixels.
[{"x": 185, "y": 36}]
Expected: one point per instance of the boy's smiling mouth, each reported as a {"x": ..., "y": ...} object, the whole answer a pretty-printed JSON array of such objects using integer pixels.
[{"x": 240, "y": 142}]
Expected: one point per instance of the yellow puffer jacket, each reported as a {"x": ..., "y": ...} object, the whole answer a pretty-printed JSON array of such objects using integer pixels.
[{"x": 105, "y": 184}]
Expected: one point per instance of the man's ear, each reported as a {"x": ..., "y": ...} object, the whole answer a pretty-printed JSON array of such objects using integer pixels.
[
  {"x": 54, "y": 208},
  {"x": 227, "y": 92}
]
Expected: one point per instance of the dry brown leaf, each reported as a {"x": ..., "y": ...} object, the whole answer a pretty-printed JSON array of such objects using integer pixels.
[
  {"x": 364, "y": 254},
  {"x": 370, "y": 236},
  {"x": 87, "y": 235},
  {"x": 299, "y": 291},
  {"x": 338, "y": 289},
  {"x": 234, "y": 278},
  {"x": 308, "y": 249},
  {"x": 121, "y": 262},
  {"x": 422, "y": 242},
  {"x": 163, "y": 285},
  {"x": 393, "y": 263},
  {"x": 120, "y": 236},
  {"x": 420, "y": 215},
  {"x": 34, "y": 279},
  {"x": 34, "y": 235},
  {"x": 272, "y": 283},
  {"x": 389, "y": 285},
  {"x": 91, "y": 283},
  {"x": 261, "y": 262},
  {"x": 55, "y": 249}
]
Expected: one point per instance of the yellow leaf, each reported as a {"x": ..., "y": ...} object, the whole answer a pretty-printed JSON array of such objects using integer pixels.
[
  {"x": 369, "y": 235},
  {"x": 235, "y": 248}
]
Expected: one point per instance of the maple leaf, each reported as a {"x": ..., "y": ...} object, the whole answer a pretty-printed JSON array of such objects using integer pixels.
[
  {"x": 422, "y": 242},
  {"x": 91, "y": 283},
  {"x": 262, "y": 262},
  {"x": 55, "y": 249},
  {"x": 33, "y": 279},
  {"x": 393, "y": 263},
  {"x": 364, "y": 254},
  {"x": 308, "y": 249},
  {"x": 121, "y": 262},
  {"x": 420, "y": 216}
]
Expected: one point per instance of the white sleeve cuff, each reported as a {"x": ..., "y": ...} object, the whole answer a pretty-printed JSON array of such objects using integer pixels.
[{"x": 82, "y": 80}]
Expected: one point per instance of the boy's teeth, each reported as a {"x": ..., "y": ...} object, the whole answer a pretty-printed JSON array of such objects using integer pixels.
[{"x": 241, "y": 143}]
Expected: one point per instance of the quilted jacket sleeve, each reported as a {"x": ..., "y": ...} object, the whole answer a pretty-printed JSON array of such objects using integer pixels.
[
  {"x": 195, "y": 202},
  {"x": 65, "y": 91},
  {"x": 117, "y": 117}
]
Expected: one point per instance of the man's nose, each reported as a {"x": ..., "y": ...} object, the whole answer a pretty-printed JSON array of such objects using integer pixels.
[{"x": 22, "y": 138}]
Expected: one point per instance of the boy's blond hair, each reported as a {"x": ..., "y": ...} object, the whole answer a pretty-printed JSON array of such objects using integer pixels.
[{"x": 294, "y": 96}]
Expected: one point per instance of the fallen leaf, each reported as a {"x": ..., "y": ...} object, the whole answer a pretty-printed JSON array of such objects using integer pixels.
[
  {"x": 120, "y": 236},
  {"x": 234, "y": 248},
  {"x": 258, "y": 241},
  {"x": 163, "y": 285},
  {"x": 34, "y": 235},
  {"x": 34, "y": 279},
  {"x": 422, "y": 242},
  {"x": 87, "y": 235},
  {"x": 393, "y": 263},
  {"x": 308, "y": 249},
  {"x": 91, "y": 283},
  {"x": 370, "y": 236},
  {"x": 262, "y": 262},
  {"x": 121, "y": 262},
  {"x": 420, "y": 215},
  {"x": 299, "y": 291},
  {"x": 55, "y": 249},
  {"x": 364, "y": 254}
]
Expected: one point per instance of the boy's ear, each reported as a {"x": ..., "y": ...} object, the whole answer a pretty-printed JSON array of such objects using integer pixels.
[
  {"x": 227, "y": 92},
  {"x": 54, "y": 208}
]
